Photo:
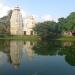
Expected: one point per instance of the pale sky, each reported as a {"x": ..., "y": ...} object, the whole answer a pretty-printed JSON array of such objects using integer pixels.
[{"x": 44, "y": 9}]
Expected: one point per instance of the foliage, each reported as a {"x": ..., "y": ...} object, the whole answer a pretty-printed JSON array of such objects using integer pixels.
[
  {"x": 67, "y": 24},
  {"x": 5, "y": 23},
  {"x": 52, "y": 29},
  {"x": 45, "y": 29},
  {"x": 61, "y": 48}
]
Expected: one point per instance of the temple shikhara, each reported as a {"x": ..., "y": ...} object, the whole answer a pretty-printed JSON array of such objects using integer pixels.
[{"x": 20, "y": 25}]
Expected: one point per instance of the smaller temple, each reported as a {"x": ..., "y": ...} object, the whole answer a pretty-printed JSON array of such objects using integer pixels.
[{"x": 29, "y": 23}]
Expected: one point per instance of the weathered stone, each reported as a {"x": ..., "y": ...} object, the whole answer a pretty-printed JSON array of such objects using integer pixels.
[{"x": 16, "y": 22}]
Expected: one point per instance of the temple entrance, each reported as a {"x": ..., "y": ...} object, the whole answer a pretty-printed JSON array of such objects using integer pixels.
[
  {"x": 31, "y": 33},
  {"x": 24, "y": 32}
]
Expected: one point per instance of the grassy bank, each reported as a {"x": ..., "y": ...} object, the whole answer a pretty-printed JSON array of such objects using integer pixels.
[
  {"x": 30, "y": 38},
  {"x": 66, "y": 38},
  {"x": 35, "y": 38}
]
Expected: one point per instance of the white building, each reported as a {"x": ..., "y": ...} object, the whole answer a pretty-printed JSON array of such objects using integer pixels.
[
  {"x": 16, "y": 22},
  {"x": 20, "y": 26},
  {"x": 29, "y": 23}
]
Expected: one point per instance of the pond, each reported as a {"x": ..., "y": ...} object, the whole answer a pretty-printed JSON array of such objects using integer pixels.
[{"x": 37, "y": 58}]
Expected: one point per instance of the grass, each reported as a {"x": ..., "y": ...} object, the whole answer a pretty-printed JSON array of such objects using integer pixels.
[
  {"x": 66, "y": 38},
  {"x": 18, "y": 37},
  {"x": 34, "y": 38}
]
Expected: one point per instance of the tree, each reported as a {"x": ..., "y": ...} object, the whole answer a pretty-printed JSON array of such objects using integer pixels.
[
  {"x": 45, "y": 29},
  {"x": 71, "y": 21},
  {"x": 67, "y": 24},
  {"x": 5, "y": 23},
  {"x": 61, "y": 24}
]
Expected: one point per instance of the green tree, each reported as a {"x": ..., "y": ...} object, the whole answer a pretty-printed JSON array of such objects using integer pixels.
[
  {"x": 61, "y": 22},
  {"x": 45, "y": 29},
  {"x": 67, "y": 24},
  {"x": 5, "y": 23},
  {"x": 71, "y": 21}
]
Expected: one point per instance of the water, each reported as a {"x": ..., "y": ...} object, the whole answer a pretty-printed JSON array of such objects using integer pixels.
[{"x": 37, "y": 58}]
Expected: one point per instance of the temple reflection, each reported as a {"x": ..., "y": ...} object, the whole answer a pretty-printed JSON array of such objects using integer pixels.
[
  {"x": 28, "y": 49},
  {"x": 16, "y": 52}
]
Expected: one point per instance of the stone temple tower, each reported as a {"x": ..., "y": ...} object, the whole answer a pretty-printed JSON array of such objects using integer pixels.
[{"x": 16, "y": 22}]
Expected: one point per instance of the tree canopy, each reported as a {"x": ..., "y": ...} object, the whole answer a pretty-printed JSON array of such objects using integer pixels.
[
  {"x": 46, "y": 28},
  {"x": 5, "y": 23}
]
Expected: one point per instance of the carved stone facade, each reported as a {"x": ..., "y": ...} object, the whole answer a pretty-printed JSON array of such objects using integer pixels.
[
  {"x": 16, "y": 22},
  {"x": 29, "y": 23},
  {"x": 20, "y": 26}
]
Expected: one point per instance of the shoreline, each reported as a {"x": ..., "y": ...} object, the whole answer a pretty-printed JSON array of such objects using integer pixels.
[{"x": 35, "y": 38}]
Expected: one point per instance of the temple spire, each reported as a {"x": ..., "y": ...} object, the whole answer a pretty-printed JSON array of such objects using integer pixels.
[{"x": 16, "y": 22}]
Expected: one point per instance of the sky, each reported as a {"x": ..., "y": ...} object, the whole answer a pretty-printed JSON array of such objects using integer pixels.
[{"x": 41, "y": 9}]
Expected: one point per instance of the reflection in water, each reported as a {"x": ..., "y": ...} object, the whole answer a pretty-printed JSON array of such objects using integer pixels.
[
  {"x": 2, "y": 57},
  {"x": 67, "y": 44},
  {"x": 51, "y": 48},
  {"x": 28, "y": 49},
  {"x": 16, "y": 49},
  {"x": 43, "y": 55},
  {"x": 15, "y": 52}
]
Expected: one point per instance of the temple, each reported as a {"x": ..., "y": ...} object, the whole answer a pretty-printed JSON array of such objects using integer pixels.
[
  {"x": 29, "y": 23},
  {"x": 20, "y": 25},
  {"x": 16, "y": 22}
]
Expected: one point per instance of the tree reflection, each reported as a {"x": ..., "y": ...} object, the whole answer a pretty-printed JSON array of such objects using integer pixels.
[
  {"x": 13, "y": 49},
  {"x": 70, "y": 55},
  {"x": 15, "y": 52},
  {"x": 47, "y": 47},
  {"x": 57, "y": 48}
]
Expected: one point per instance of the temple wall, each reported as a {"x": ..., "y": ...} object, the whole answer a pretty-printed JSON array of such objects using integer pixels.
[{"x": 16, "y": 23}]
